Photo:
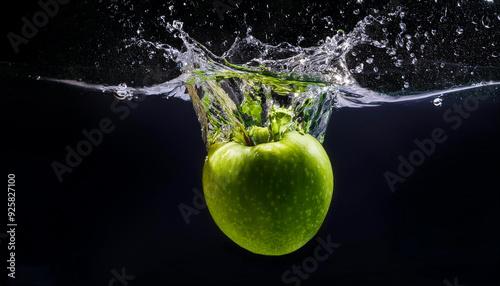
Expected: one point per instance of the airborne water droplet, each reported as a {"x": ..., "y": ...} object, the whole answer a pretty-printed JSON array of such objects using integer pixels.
[
  {"x": 486, "y": 22},
  {"x": 359, "y": 68}
]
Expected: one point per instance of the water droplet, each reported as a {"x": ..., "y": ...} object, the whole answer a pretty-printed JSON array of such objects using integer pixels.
[
  {"x": 406, "y": 84},
  {"x": 356, "y": 12},
  {"x": 460, "y": 31},
  {"x": 409, "y": 44},
  {"x": 375, "y": 69},
  {"x": 177, "y": 24},
  {"x": 433, "y": 32},
  {"x": 437, "y": 102},
  {"x": 442, "y": 65},
  {"x": 369, "y": 60},
  {"x": 359, "y": 68},
  {"x": 300, "y": 39},
  {"x": 495, "y": 54},
  {"x": 37, "y": 77}
]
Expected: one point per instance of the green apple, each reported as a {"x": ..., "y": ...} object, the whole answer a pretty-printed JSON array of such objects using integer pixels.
[{"x": 270, "y": 198}]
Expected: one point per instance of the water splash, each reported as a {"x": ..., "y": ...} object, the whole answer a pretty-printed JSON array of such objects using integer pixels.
[{"x": 252, "y": 82}]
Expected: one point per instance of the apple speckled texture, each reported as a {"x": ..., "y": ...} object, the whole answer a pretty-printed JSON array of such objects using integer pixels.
[{"x": 271, "y": 198}]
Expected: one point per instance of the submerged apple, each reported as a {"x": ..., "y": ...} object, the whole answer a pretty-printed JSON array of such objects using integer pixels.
[{"x": 270, "y": 198}]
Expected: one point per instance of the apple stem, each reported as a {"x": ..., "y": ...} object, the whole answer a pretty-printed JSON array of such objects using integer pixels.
[{"x": 247, "y": 138}]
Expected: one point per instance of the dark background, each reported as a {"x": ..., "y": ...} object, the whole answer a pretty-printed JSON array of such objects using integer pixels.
[{"x": 119, "y": 210}]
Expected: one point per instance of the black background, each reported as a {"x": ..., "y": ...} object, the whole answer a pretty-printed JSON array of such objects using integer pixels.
[{"x": 119, "y": 207}]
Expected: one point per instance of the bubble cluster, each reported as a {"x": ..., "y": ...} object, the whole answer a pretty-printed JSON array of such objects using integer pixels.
[{"x": 122, "y": 92}]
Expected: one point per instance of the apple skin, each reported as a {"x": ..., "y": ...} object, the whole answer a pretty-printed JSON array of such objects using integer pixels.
[{"x": 271, "y": 198}]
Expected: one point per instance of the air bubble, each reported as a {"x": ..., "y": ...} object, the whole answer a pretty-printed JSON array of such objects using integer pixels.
[
  {"x": 437, "y": 102},
  {"x": 356, "y": 12},
  {"x": 460, "y": 31},
  {"x": 121, "y": 92},
  {"x": 406, "y": 84}
]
